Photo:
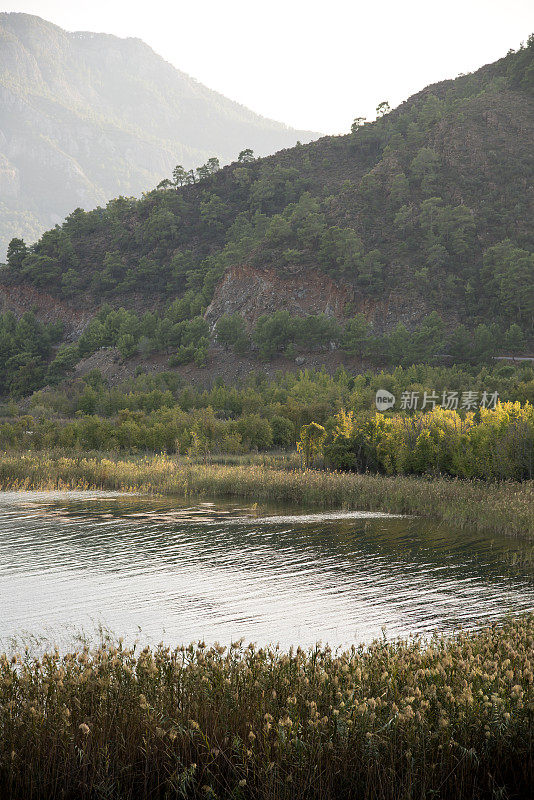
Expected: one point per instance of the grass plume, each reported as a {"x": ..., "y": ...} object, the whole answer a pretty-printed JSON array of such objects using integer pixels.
[{"x": 449, "y": 718}]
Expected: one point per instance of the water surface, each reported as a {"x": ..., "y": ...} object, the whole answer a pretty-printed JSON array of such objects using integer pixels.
[{"x": 164, "y": 570}]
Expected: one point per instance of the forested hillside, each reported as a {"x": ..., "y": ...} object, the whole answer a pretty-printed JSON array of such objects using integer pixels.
[
  {"x": 85, "y": 117},
  {"x": 409, "y": 239}
]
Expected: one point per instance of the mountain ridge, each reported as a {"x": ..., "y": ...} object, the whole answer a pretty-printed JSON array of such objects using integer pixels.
[{"x": 97, "y": 116}]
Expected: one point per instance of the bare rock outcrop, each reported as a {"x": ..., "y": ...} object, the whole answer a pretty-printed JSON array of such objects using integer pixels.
[
  {"x": 251, "y": 292},
  {"x": 20, "y": 299}
]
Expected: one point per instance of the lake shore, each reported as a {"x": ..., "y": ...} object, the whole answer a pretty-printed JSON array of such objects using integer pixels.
[
  {"x": 448, "y": 718},
  {"x": 497, "y": 507}
]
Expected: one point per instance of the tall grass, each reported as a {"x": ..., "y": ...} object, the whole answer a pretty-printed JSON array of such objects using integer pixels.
[
  {"x": 452, "y": 718},
  {"x": 504, "y": 507}
]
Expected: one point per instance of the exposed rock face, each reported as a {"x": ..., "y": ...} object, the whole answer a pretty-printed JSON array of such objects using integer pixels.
[
  {"x": 252, "y": 292},
  {"x": 86, "y": 117},
  {"x": 20, "y": 299}
]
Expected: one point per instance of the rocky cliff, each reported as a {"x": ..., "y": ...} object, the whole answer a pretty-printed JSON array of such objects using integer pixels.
[{"x": 252, "y": 292}]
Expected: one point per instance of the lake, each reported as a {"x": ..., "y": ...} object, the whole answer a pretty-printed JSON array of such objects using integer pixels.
[{"x": 161, "y": 569}]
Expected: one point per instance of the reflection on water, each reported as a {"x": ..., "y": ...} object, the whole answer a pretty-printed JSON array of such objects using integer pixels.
[{"x": 220, "y": 571}]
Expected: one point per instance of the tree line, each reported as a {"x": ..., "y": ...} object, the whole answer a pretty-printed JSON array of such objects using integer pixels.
[
  {"x": 282, "y": 334},
  {"x": 32, "y": 357},
  {"x": 155, "y": 413},
  {"x": 493, "y": 443}
]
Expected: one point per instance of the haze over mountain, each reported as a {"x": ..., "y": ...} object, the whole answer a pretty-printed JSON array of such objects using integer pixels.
[{"x": 85, "y": 117}]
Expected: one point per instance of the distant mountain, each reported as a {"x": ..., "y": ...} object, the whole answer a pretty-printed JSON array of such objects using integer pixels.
[{"x": 85, "y": 117}]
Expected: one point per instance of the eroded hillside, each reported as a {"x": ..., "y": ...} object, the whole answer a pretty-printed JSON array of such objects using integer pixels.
[{"x": 419, "y": 224}]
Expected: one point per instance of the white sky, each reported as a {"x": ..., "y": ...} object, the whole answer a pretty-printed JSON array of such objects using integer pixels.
[{"x": 313, "y": 65}]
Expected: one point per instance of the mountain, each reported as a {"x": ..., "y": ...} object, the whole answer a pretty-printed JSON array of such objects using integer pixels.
[
  {"x": 407, "y": 240},
  {"x": 85, "y": 117}
]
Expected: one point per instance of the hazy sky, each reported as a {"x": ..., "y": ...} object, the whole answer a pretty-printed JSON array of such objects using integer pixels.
[{"x": 313, "y": 65}]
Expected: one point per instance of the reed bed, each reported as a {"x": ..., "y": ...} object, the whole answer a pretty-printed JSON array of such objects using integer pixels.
[
  {"x": 449, "y": 718},
  {"x": 498, "y": 507}
]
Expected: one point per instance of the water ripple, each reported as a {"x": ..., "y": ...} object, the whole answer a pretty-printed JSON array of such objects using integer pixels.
[{"x": 220, "y": 571}]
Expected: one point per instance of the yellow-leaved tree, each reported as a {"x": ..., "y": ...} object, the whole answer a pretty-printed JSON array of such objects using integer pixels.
[{"x": 311, "y": 443}]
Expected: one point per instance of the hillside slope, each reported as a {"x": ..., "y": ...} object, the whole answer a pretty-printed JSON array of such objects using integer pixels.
[
  {"x": 427, "y": 211},
  {"x": 85, "y": 117}
]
